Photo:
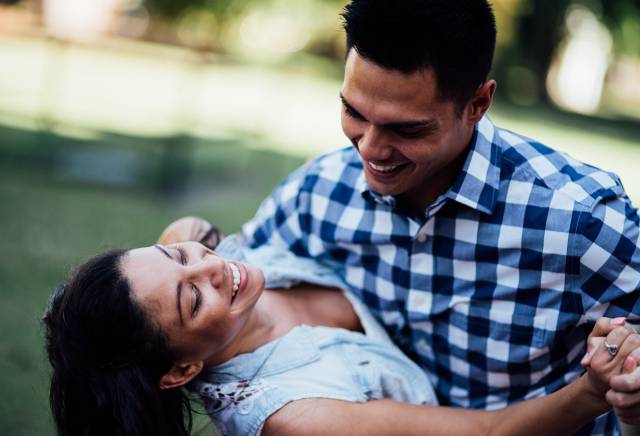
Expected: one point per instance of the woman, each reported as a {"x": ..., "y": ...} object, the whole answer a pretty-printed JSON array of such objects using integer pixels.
[{"x": 131, "y": 328}]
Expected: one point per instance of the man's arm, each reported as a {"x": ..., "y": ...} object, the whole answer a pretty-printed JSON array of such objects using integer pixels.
[
  {"x": 560, "y": 413},
  {"x": 610, "y": 260},
  {"x": 611, "y": 285},
  {"x": 277, "y": 221}
]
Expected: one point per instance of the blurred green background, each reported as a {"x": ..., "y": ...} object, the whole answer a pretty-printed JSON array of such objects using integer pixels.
[{"x": 118, "y": 116}]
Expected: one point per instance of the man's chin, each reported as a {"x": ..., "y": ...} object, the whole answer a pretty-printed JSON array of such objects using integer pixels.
[{"x": 382, "y": 189}]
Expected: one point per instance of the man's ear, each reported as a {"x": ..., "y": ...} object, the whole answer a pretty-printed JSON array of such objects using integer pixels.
[
  {"x": 481, "y": 101},
  {"x": 180, "y": 374}
]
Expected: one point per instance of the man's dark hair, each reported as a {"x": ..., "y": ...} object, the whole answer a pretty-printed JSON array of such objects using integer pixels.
[{"x": 456, "y": 38}]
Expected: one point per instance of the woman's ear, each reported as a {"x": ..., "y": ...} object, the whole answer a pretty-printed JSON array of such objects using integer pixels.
[{"x": 180, "y": 374}]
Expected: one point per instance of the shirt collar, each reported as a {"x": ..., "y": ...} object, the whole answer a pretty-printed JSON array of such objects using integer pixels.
[{"x": 478, "y": 183}]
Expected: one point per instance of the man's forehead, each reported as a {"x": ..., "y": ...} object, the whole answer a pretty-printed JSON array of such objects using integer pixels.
[
  {"x": 361, "y": 68},
  {"x": 368, "y": 87}
]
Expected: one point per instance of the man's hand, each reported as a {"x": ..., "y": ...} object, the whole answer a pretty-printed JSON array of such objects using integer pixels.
[{"x": 191, "y": 229}]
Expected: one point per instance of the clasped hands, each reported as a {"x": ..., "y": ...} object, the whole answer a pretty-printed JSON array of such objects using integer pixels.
[{"x": 613, "y": 366}]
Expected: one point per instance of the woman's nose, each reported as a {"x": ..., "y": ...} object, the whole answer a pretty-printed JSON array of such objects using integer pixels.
[{"x": 212, "y": 268}]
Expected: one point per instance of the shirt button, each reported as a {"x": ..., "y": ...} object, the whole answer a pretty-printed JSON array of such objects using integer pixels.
[{"x": 422, "y": 237}]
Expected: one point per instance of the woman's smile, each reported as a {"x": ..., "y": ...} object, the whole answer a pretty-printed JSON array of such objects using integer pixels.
[{"x": 240, "y": 275}]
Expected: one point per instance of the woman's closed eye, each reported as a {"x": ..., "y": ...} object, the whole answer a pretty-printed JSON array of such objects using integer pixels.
[
  {"x": 196, "y": 301},
  {"x": 197, "y": 295}
]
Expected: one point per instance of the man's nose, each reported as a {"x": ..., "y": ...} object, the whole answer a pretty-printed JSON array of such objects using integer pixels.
[{"x": 373, "y": 145}]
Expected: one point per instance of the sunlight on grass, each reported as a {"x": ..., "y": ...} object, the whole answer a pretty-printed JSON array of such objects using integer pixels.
[
  {"x": 141, "y": 89},
  {"x": 153, "y": 95}
]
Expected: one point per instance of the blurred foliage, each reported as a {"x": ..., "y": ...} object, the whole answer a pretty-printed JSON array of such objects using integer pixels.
[
  {"x": 172, "y": 8},
  {"x": 268, "y": 30},
  {"x": 530, "y": 31},
  {"x": 623, "y": 19},
  {"x": 539, "y": 22},
  {"x": 539, "y": 27},
  {"x": 225, "y": 9}
]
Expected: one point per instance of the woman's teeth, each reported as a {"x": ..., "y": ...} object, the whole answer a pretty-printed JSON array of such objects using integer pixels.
[
  {"x": 383, "y": 168},
  {"x": 236, "y": 279}
]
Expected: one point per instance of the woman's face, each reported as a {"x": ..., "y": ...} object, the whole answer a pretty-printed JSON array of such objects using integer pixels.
[{"x": 190, "y": 292}]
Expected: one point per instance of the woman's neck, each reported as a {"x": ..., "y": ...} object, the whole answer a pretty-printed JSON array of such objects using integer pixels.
[
  {"x": 278, "y": 311},
  {"x": 266, "y": 322}
]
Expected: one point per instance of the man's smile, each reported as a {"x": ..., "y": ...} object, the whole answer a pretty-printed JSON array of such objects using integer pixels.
[{"x": 385, "y": 172}]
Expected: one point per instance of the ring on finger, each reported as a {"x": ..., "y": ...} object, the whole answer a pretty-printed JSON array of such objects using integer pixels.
[{"x": 611, "y": 348}]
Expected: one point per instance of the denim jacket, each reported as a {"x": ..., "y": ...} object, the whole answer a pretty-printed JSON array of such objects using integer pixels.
[{"x": 307, "y": 362}]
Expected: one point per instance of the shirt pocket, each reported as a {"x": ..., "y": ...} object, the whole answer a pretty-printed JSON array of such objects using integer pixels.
[
  {"x": 504, "y": 335},
  {"x": 515, "y": 328}
]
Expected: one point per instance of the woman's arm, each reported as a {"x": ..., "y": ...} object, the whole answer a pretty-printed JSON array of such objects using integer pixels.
[{"x": 561, "y": 413}]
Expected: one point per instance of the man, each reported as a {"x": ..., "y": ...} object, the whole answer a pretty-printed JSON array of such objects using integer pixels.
[{"x": 486, "y": 255}]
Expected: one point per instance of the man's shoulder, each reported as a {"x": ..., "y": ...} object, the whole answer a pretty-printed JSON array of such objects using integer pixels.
[
  {"x": 338, "y": 166},
  {"x": 525, "y": 160},
  {"x": 336, "y": 160}
]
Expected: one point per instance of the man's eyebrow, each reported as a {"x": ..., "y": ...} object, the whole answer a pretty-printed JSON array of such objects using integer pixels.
[
  {"x": 427, "y": 124},
  {"x": 178, "y": 288},
  {"x": 411, "y": 124},
  {"x": 349, "y": 107}
]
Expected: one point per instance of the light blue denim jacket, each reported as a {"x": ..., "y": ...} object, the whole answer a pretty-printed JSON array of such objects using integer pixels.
[{"x": 307, "y": 362}]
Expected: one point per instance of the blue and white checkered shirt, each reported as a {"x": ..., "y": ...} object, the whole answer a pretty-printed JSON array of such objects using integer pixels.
[{"x": 495, "y": 290}]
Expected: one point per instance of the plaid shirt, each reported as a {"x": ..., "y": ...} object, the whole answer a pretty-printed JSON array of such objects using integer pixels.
[{"x": 495, "y": 290}]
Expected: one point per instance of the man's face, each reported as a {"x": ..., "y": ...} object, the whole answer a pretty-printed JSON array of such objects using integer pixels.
[{"x": 410, "y": 140}]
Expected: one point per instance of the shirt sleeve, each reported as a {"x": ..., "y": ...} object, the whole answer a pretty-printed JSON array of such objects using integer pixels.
[
  {"x": 610, "y": 260},
  {"x": 278, "y": 219}
]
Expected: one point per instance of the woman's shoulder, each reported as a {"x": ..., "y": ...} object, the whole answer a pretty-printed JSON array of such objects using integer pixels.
[
  {"x": 237, "y": 407},
  {"x": 241, "y": 394}
]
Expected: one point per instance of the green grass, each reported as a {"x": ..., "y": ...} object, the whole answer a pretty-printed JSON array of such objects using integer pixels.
[{"x": 51, "y": 222}]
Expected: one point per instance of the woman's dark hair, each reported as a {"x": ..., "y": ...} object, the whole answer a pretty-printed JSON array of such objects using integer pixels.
[
  {"x": 456, "y": 38},
  {"x": 108, "y": 358}
]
